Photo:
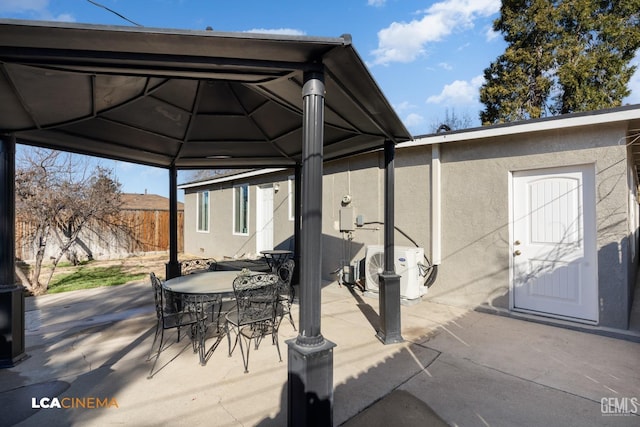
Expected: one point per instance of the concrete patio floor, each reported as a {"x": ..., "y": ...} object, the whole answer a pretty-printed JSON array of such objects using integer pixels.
[{"x": 456, "y": 367}]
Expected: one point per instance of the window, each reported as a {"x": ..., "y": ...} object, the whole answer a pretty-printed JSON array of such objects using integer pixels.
[
  {"x": 292, "y": 198},
  {"x": 241, "y": 209},
  {"x": 203, "y": 211}
]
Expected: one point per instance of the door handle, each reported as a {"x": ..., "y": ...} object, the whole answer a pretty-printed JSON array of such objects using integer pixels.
[
  {"x": 517, "y": 252},
  {"x": 517, "y": 242}
]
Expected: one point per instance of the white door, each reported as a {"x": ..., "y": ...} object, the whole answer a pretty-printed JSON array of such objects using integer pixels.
[
  {"x": 554, "y": 266},
  {"x": 264, "y": 218}
]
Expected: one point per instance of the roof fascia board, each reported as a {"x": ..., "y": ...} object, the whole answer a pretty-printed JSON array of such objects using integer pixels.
[
  {"x": 228, "y": 178},
  {"x": 527, "y": 127}
]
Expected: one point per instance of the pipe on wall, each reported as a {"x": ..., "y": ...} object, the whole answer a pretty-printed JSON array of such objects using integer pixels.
[{"x": 436, "y": 206}]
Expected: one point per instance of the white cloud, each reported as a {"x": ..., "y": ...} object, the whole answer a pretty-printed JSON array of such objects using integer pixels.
[
  {"x": 413, "y": 120},
  {"x": 33, "y": 9},
  {"x": 459, "y": 92},
  {"x": 21, "y": 6},
  {"x": 376, "y": 3},
  {"x": 404, "y": 42},
  {"x": 404, "y": 106},
  {"x": 64, "y": 17},
  {"x": 445, "y": 66},
  {"x": 281, "y": 31},
  {"x": 491, "y": 34}
]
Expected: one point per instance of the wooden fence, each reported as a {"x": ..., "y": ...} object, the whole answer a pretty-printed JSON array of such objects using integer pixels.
[{"x": 147, "y": 231}]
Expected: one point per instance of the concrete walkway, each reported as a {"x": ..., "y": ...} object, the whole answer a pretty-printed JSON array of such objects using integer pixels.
[{"x": 456, "y": 367}]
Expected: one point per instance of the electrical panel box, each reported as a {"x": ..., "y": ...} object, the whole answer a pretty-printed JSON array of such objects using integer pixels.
[{"x": 346, "y": 219}]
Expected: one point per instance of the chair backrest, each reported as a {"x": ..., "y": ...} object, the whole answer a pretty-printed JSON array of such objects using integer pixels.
[
  {"x": 157, "y": 294},
  {"x": 285, "y": 273},
  {"x": 256, "y": 295},
  {"x": 197, "y": 265}
]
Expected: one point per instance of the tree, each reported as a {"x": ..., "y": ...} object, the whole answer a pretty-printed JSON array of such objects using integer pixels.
[
  {"x": 60, "y": 197},
  {"x": 451, "y": 121},
  {"x": 563, "y": 56}
]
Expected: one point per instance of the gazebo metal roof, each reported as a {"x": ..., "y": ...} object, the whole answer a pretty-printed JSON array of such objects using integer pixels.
[{"x": 184, "y": 99}]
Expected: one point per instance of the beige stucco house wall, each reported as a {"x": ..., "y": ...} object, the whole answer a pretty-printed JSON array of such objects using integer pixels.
[{"x": 454, "y": 197}]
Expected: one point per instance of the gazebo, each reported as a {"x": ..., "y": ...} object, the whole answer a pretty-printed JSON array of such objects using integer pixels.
[{"x": 194, "y": 100}]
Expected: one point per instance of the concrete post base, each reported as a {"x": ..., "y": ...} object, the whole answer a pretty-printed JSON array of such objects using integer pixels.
[
  {"x": 11, "y": 326},
  {"x": 310, "y": 384},
  {"x": 389, "y": 301}
]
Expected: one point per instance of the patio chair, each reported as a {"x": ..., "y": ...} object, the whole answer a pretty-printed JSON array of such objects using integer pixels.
[
  {"x": 255, "y": 314},
  {"x": 198, "y": 265},
  {"x": 286, "y": 293},
  {"x": 174, "y": 318}
]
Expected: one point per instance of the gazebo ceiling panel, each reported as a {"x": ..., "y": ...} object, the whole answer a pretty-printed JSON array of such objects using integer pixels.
[
  {"x": 184, "y": 98},
  {"x": 111, "y": 91},
  {"x": 110, "y": 132},
  {"x": 153, "y": 115},
  {"x": 52, "y": 96},
  {"x": 178, "y": 92},
  {"x": 224, "y": 128}
]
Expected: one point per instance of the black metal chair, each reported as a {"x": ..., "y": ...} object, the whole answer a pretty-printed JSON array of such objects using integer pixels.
[
  {"x": 286, "y": 292},
  {"x": 198, "y": 265},
  {"x": 255, "y": 314},
  {"x": 170, "y": 316}
]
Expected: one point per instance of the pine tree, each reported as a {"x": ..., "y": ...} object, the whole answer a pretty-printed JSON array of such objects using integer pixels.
[{"x": 562, "y": 56}]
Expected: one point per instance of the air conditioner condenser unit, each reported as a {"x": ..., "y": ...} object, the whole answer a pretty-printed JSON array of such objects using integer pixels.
[{"x": 406, "y": 262}]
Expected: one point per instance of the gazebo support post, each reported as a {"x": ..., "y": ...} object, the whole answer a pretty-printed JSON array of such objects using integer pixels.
[
  {"x": 389, "y": 286},
  {"x": 12, "y": 310},
  {"x": 173, "y": 266},
  {"x": 310, "y": 369},
  {"x": 297, "y": 223}
]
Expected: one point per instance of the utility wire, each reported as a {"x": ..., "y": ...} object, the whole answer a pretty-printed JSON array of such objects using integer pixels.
[{"x": 114, "y": 12}]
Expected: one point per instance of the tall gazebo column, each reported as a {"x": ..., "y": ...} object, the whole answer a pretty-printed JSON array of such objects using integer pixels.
[
  {"x": 310, "y": 370},
  {"x": 389, "y": 286},
  {"x": 173, "y": 266},
  {"x": 11, "y": 295}
]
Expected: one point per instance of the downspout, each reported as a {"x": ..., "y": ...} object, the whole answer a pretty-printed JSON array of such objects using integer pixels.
[{"x": 436, "y": 206}]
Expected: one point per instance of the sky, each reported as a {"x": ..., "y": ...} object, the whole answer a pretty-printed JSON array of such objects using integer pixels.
[{"x": 428, "y": 57}]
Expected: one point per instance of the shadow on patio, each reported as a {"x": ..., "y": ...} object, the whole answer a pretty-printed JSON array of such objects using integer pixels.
[{"x": 469, "y": 367}]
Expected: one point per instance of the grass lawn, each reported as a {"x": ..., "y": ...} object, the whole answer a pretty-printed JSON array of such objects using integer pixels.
[{"x": 87, "y": 277}]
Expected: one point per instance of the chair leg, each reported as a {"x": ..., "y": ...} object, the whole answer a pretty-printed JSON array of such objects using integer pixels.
[
  {"x": 291, "y": 320},
  {"x": 155, "y": 339},
  {"x": 244, "y": 360}
]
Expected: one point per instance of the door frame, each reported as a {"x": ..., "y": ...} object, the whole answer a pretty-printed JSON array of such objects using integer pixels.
[{"x": 588, "y": 167}]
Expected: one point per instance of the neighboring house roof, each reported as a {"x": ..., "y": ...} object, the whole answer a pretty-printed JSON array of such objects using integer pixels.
[
  {"x": 146, "y": 202},
  {"x": 229, "y": 177}
]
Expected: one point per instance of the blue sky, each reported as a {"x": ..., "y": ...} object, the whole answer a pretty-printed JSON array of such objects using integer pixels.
[{"x": 427, "y": 56}]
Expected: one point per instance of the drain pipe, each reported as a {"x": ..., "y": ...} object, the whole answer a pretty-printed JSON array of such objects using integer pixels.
[{"x": 436, "y": 206}]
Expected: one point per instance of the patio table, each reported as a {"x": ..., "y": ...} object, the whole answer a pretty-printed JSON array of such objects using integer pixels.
[
  {"x": 208, "y": 288},
  {"x": 276, "y": 257}
]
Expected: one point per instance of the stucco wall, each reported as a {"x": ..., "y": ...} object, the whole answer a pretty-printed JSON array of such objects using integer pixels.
[
  {"x": 220, "y": 241},
  {"x": 362, "y": 178},
  {"x": 476, "y": 244},
  {"x": 475, "y": 225}
]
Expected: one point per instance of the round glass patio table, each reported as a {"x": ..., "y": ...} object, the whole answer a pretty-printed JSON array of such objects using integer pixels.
[
  {"x": 208, "y": 289},
  {"x": 275, "y": 258},
  {"x": 209, "y": 283}
]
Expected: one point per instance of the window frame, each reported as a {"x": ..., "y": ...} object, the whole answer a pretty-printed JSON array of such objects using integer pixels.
[
  {"x": 199, "y": 210},
  {"x": 235, "y": 229},
  {"x": 291, "y": 196}
]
